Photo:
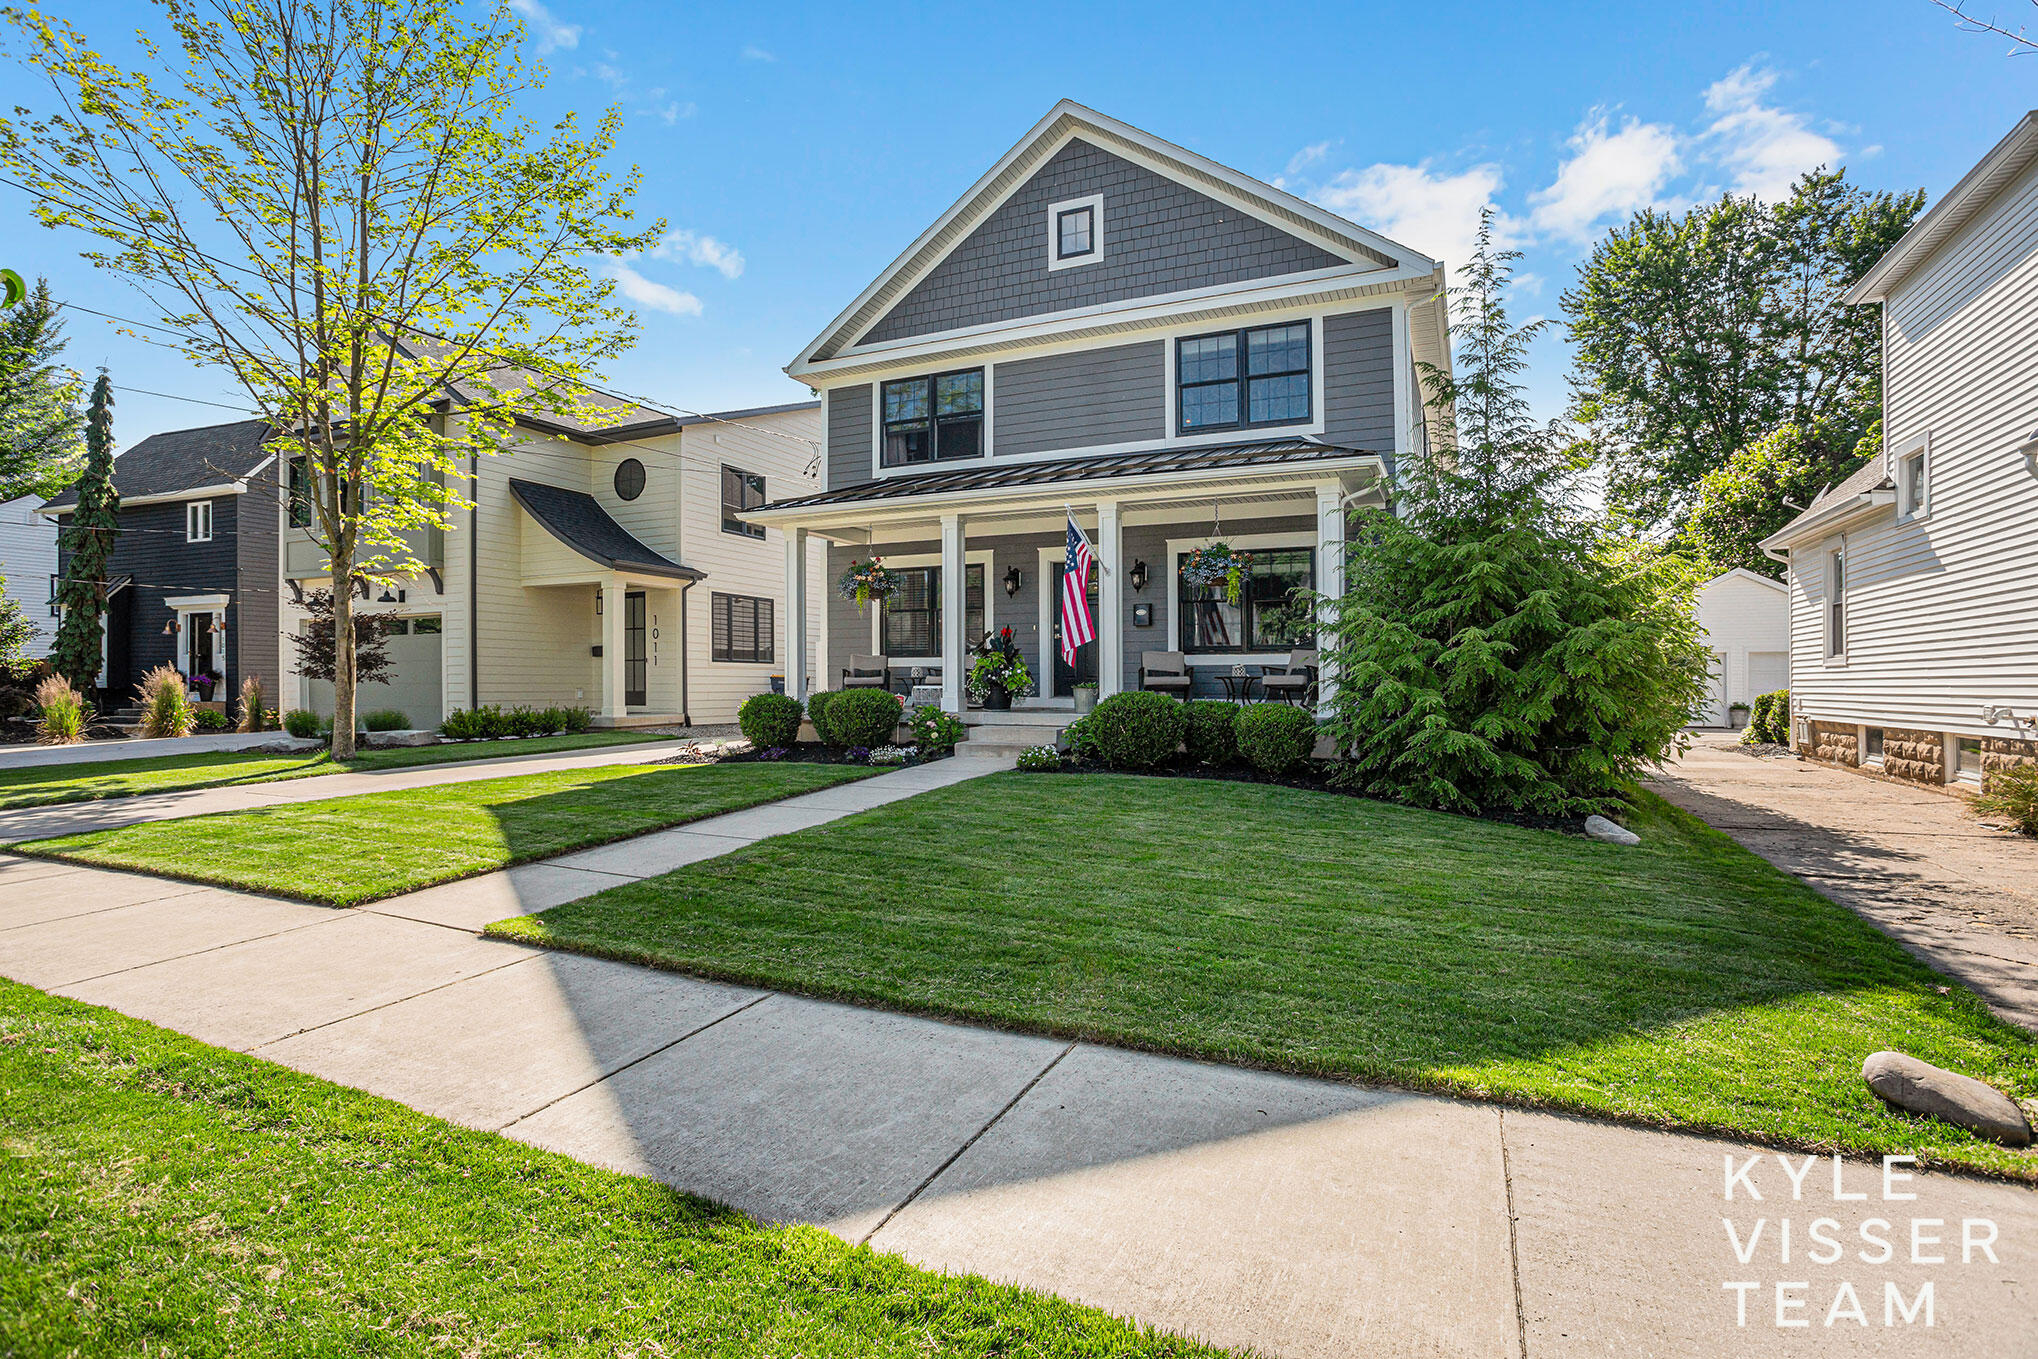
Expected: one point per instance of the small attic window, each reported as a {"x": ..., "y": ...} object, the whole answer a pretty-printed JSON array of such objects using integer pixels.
[{"x": 1075, "y": 232}]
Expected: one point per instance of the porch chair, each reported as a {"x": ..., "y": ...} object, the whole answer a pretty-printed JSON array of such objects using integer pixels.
[
  {"x": 1164, "y": 672},
  {"x": 1294, "y": 682},
  {"x": 867, "y": 672}
]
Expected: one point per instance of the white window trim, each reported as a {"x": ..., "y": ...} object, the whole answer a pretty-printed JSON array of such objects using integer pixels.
[
  {"x": 1837, "y": 552},
  {"x": 1954, "y": 774},
  {"x": 979, "y": 557},
  {"x": 1920, "y": 447},
  {"x": 1095, "y": 203},
  {"x": 1177, "y": 546},
  {"x": 1877, "y": 761},
  {"x": 194, "y": 511},
  {"x": 880, "y": 472}
]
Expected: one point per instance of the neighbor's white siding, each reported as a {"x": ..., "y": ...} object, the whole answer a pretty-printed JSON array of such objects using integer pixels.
[
  {"x": 1747, "y": 624},
  {"x": 28, "y": 558},
  {"x": 1941, "y": 609},
  {"x": 780, "y": 448}
]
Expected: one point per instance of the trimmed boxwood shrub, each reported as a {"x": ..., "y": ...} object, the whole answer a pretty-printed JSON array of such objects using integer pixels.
[
  {"x": 817, "y": 713},
  {"x": 1136, "y": 730},
  {"x": 1210, "y": 734},
  {"x": 1274, "y": 737},
  {"x": 385, "y": 719},
  {"x": 859, "y": 717},
  {"x": 302, "y": 723},
  {"x": 770, "y": 720}
]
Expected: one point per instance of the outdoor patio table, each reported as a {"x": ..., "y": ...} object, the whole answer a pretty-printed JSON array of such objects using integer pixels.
[{"x": 1239, "y": 688}]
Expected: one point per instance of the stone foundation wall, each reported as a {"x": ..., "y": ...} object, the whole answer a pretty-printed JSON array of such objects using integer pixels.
[
  {"x": 1916, "y": 756},
  {"x": 2006, "y": 752},
  {"x": 1833, "y": 743}
]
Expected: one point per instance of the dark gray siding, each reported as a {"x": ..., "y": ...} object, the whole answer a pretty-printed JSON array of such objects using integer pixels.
[
  {"x": 1160, "y": 236},
  {"x": 256, "y": 623},
  {"x": 1358, "y": 381},
  {"x": 1091, "y": 397},
  {"x": 848, "y": 425},
  {"x": 151, "y": 549}
]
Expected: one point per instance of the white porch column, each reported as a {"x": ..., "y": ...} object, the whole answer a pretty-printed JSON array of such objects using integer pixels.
[
  {"x": 1110, "y": 600},
  {"x": 796, "y": 613},
  {"x": 1330, "y": 575},
  {"x": 954, "y": 595},
  {"x": 612, "y": 648}
]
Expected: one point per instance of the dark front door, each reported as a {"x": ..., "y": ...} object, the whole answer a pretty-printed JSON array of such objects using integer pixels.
[
  {"x": 1065, "y": 675},
  {"x": 635, "y": 672}
]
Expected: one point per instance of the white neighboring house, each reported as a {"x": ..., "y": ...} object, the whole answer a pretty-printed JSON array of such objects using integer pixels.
[
  {"x": 1746, "y": 618},
  {"x": 600, "y": 567},
  {"x": 28, "y": 559},
  {"x": 1914, "y": 583}
]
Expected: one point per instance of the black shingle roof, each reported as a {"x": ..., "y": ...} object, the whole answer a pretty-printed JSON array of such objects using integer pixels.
[
  {"x": 184, "y": 460},
  {"x": 577, "y": 519},
  {"x": 986, "y": 475}
]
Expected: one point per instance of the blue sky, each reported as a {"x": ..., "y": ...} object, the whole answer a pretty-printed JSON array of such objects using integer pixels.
[{"x": 796, "y": 150}]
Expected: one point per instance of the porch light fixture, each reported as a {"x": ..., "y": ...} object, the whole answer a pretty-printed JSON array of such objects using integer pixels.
[
  {"x": 386, "y": 596},
  {"x": 170, "y": 628},
  {"x": 218, "y": 626},
  {"x": 1138, "y": 576},
  {"x": 1012, "y": 583}
]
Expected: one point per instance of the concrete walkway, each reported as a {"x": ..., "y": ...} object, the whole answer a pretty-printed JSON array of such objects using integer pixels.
[
  {"x": 1961, "y": 895},
  {"x": 75, "y": 818},
  {"x": 1298, "y": 1217}
]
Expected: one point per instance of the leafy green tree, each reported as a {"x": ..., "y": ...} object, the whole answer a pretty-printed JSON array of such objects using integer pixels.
[
  {"x": 40, "y": 425},
  {"x": 339, "y": 205},
  {"x": 86, "y": 548},
  {"x": 1495, "y": 649},
  {"x": 16, "y": 632},
  {"x": 1759, "y": 490},
  {"x": 1696, "y": 335}
]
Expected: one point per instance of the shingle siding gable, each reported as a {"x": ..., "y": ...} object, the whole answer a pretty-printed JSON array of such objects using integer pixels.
[{"x": 1160, "y": 236}]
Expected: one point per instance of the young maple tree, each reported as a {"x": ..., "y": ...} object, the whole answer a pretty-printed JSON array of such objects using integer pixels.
[{"x": 339, "y": 205}]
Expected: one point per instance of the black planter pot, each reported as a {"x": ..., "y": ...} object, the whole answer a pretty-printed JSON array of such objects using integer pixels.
[{"x": 999, "y": 699}]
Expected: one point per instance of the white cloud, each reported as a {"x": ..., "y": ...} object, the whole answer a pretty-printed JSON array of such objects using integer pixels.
[
  {"x": 550, "y": 33},
  {"x": 1608, "y": 174},
  {"x": 649, "y": 292},
  {"x": 1763, "y": 147},
  {"x": 1437, "y": 214},
  {"x": 673, "y": 112},
  {"x": 695, "y": 248},
  {"x": 1308, "y": 156},
  {"x": 752, "y": 52}
]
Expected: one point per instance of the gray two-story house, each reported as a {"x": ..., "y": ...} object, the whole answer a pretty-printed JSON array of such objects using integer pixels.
[{"x": 1109, "y": 326}]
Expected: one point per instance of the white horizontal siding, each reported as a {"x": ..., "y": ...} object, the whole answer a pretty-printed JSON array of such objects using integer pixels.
[
  {"x": 28, "y": 558},
  {"x": 1940, "y": 609}
]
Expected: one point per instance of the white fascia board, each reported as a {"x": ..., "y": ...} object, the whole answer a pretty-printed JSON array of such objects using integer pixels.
[
  {"x": 1743, "y": 573},
  {"x": 1990, "y": 175},
  {"x": 168, "y": 497},
  {"x": 1828, "y": 519}
]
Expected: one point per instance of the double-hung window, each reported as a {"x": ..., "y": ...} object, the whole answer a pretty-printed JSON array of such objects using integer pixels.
[
  {"x": 1913, "y": 484},
  {"x": 934, "y": 418},
  {"x": 911, "y": 625},
  {"x": 1243, "y": 379},
  {"x": 1836, "y": 603},
  {"x": 198, "y": 521},
  {"x": 743, "y": 629},
  {"x": 1267, "y": 617},
  {"x": 741, "y": 491},
  {"x": 300, "y": 493}
]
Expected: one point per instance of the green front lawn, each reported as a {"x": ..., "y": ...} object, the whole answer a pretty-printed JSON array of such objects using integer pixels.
[
  {"x": 1684, "y": 983},
  {"x": 158, "y": 1196},
  {"x": 43, "y": 785},
  {"x": 347, "y": 850}
]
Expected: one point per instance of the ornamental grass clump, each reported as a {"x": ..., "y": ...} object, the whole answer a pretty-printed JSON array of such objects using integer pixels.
[
  {"x": 1497, "y": 649},
  {"x": 252, "y": 698},
  {"x": 166, "y": 707},
  {"x": 2011, "y": 796},
  {"x": 62, "y": 712}
]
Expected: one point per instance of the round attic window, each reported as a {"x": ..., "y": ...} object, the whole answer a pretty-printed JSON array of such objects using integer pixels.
[{"x": 629, "y": 478}]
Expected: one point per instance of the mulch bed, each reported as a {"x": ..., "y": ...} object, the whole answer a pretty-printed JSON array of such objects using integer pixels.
[{"x": 806, "y": 752}]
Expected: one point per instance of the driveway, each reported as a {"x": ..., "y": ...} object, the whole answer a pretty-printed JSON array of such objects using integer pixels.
[{"x": 1961, "y": 895}]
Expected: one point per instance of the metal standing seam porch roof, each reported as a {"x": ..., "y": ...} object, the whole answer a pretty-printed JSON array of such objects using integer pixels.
[
  {"x": 577, "y": 519},
  {"x": 990, "y": 475}
]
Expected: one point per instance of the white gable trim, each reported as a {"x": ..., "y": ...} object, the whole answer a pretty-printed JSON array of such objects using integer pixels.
[
  {"x": 1743, "y": 573},
  {"x": 1068, "y": 120}
]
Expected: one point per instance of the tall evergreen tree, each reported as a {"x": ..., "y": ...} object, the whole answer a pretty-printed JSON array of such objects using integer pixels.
[
  {"x": 87, "y": 545},
  {"x": 39, "y": 419}
]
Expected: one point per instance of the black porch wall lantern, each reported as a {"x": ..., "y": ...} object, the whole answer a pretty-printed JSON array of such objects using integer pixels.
[
  {"x": 1012, "y": 583},
  {"x": 1138, "y": 576}
]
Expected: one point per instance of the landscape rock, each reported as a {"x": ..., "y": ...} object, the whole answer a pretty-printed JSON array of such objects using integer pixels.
[
  {"x": 284, "y": 745},
  {"x": 1926, "y": 1089},
  {"x": 382, "y": 739},
  {"x": 1599, "y": 828}
]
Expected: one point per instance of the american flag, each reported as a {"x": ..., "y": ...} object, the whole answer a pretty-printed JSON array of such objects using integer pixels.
[{"x": 1076, "y": 625}]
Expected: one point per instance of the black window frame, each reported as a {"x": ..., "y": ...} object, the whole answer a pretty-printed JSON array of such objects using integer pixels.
[
  {"x": 640, "y": 478},
  {"x": 1243, "y": 377},
  {"x": 932, "y": 420},
  {"x": 1249, "y": 608},
  {"x": 1087, "y": 210},
  {"x": 974, "y": 577},
  {"x": 763, "y": 610},
  {"x": 744, "y": 480},
  {"x": 297, "y": 485}
]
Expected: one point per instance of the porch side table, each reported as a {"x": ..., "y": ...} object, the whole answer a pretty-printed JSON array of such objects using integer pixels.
[{"x": 1239, "y": 688}]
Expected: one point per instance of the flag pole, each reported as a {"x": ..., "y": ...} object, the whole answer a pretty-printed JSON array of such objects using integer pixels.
[{"x": 1075, "y": 524}]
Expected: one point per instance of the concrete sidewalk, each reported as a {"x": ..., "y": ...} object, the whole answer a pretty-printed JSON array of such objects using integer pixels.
[
  {"x": 76, "y": 818},
  {"x": 1297, "y": 1217},
  {"x": 1961, "y": 895}
]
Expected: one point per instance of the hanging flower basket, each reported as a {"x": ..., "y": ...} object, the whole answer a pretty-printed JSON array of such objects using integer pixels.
[
  {"x": 865, "y": 581},
  {"x": 1219, "y": 564}
]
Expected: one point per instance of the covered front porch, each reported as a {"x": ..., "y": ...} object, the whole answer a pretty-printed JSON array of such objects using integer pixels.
[{"x": 1001, "y": 532}]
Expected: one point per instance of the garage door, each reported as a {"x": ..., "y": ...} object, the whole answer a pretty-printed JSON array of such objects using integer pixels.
[
  {"x": 1768, "y": 671},
  {"x": 414, "y": 689}
]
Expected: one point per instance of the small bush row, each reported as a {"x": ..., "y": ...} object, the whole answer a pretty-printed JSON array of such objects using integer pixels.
[
  {"x": 493, "y": 721},
  {"x": 1141, "y": 730}
]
